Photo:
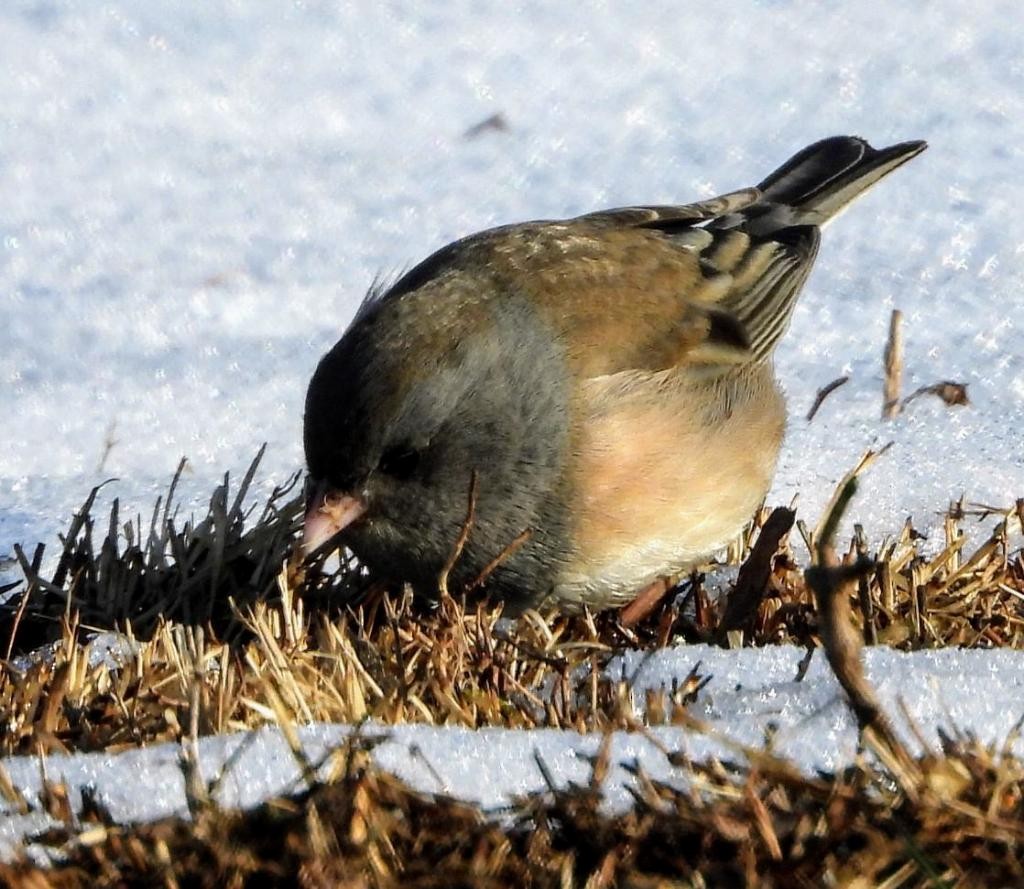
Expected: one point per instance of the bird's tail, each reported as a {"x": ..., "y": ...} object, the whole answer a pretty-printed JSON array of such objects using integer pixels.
[
  {"x": 782, "y": 227},
  {"x": 820, "y": 181}
]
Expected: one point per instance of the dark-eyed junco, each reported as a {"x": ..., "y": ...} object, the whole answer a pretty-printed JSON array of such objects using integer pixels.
[{"x": 603, "y": 384}]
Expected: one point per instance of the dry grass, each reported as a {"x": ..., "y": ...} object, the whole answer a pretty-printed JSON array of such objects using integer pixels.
[
  {"x": 763, "y": 824},
  {"x": 230, "y": 631},
  {"x": 301, "y": 649}
]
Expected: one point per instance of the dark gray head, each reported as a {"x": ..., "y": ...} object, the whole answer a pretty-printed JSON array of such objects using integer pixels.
[{"x": 425, "y": 388}]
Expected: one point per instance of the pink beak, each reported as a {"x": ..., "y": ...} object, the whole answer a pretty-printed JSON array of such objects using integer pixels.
[{"x": 328, "y": 513}]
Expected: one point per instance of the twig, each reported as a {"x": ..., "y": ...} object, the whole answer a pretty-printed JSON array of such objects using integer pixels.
[
  {"x": 31, "y": 572},
  {"x": 495, "y": 123},
  {"x": 823, "y": 393},
  {"x": 805, "y": 664},
  {"x": 833, "y": 510},
  {"x": 952, "y": 393},
  {"x": 12, "y": 795},
  {"x": 416, "y": 752},
  {"x": 228, "y": 766},
  {"x": 197, "y": 795},
  {"x": 647, "y": 600},
  {"x": 867, "y": 607},
  {"x": 893, "y": 366},
  {"x": 109, "y": 443},
  {"x": 489, "y": 568},
  {"x": 833, "y": 584},
  {"x": 460, "y": 542},
  {"x": 752, "y": 580}
]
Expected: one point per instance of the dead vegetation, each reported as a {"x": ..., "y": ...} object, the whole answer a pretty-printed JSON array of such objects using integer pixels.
[
  {"x": 763, "y": 824},
  {"x": 225, "y": 628},
  {"x": 953, "y": 817}
]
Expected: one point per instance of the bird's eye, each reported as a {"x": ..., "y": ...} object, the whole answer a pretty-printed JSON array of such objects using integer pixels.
[{"x": 399, "y": 462}]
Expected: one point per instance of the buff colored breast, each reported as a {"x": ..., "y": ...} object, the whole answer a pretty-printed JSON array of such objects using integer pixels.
[{"x": 659, "y": 490}]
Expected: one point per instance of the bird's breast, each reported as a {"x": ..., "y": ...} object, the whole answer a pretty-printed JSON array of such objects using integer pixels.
[{"x": 666, "y": 471}]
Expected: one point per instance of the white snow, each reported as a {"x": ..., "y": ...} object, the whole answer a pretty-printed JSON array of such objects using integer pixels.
[
  {"x": 196, "y": 196},
  {"x": 195, "y": 199}
]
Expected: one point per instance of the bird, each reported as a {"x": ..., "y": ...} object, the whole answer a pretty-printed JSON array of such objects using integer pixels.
[{"x": 563, "y": 412}]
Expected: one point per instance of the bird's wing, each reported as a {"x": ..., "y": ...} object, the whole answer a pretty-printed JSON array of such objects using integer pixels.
[
  {"x": 658, "y": 291},
  {"x": 742, "y": 258},
  {"x": 710, "y": 284},
  {"x": 699, "y": 211}
]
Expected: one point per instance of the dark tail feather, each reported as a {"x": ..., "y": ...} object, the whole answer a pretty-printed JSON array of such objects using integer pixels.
[{"x": 821, "y": 180}]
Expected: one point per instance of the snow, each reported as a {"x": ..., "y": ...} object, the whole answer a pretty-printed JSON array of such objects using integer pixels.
[
  {"x": 752, "y": 694},
  {"x": 196, "y": 197}
]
